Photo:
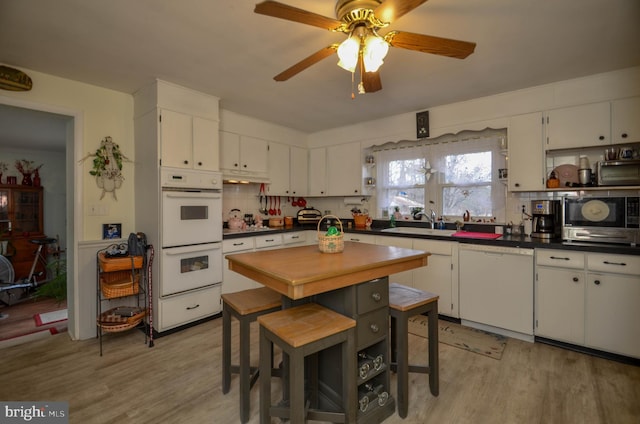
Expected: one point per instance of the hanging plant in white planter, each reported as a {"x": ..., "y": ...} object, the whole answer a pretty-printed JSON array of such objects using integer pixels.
[{"x": 107, "y": 166}]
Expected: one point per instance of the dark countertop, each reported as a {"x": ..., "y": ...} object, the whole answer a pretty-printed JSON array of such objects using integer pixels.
[{"x": 505, "y": 240}]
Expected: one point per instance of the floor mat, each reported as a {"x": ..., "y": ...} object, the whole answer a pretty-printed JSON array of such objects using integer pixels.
[{"x": 50, "y": 317}]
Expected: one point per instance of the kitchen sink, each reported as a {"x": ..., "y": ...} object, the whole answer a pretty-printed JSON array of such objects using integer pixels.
[{"x": 419, "y": 231}]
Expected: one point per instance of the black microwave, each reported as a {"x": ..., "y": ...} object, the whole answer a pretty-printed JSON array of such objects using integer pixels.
[{"x": 603, "y": 219}]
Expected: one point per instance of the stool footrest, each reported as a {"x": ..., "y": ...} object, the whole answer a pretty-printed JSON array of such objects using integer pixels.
[{"x": 422, "y": 369}]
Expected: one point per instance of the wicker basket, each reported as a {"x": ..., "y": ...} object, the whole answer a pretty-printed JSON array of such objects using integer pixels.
[
  {"x": 331, "y": 244},
  {"x": 119, "y": 284},
  {"x": 109, "y": 321},
  {"x": 118, "y": 264}
]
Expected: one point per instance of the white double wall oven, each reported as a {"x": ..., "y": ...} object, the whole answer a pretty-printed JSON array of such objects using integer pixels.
[{"x": 191, "y": 238}]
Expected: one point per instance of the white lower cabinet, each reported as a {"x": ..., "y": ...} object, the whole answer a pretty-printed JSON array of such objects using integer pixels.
[
  {"x": 440, "y": 276},
  {"x": 231, "y": 280},
  {"x": 360, "y": 238},
  {"x": 589, "y": 299},
  {"x": 612, "y": 295},
  {"x": 405, "y": 277},
  {"x": 294, "y": 239}
]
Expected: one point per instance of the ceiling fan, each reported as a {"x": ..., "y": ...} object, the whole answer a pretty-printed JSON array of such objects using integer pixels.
[{"x": 364, "y": 49}]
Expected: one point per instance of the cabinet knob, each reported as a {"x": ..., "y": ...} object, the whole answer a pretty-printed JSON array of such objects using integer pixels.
[
  {"x": 244, "y": 166},
  {"x": 186, "y": 162},
  {"x": 576, "y": 279},
  {"x": 235, "y": 165},
  {"x": 355, "y": 191},
  {"x": 601, "y": 137},
  {"x": 517, "y": 184},
  {"x": 376, "y": 296},
  {"x": 624, "y": 135},
  {"x": 374, "y": 328},
  {"x": 596, "y": 282},
  {"x": 199, "y": 163}
]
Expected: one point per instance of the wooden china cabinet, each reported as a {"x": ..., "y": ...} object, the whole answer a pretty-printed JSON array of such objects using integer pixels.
[{"x": 21, "y": 210}]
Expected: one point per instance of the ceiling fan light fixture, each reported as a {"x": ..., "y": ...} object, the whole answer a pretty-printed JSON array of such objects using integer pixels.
[
  {"x": 348, "y": 53},
  {"x": 374, "y": 51}
]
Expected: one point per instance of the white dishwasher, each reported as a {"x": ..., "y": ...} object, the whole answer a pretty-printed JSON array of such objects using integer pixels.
[{"x": 496, "y": 286}]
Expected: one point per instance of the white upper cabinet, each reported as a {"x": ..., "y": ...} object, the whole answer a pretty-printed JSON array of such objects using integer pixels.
[
  {"x": 625, "y": 121},
  {"x": 579, "y": 126},
  {"x": 526, "y": 153},
  {"x": 279, "y": 170},
  {"x": 344, "y": 170},
  {"x": 189, "y": 142},
  {"x": 288, "y": 166},
  {"x": 243, "y": 155},
  {"x": 299, "y": 178},
  {"x": 318, "y": 172}
]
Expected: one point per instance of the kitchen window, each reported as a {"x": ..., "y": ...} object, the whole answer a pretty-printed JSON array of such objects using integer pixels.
[{"x": 450, "y": 174}]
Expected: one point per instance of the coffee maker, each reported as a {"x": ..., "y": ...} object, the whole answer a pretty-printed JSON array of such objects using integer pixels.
[{"x": 547, "y": 219}]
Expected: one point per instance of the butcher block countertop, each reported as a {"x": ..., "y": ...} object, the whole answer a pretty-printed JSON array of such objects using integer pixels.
[{"x": 299, "y": 272}]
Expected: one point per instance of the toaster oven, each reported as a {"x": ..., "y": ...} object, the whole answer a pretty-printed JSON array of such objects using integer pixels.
[{"x": 619, "y": 172}]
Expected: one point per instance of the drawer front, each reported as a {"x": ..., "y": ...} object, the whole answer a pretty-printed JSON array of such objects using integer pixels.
[
  {"x": 560, "y": 258},
  {"x": 272, "y": 240},
  {"x": 617, "y": 264},
  {"x": 191, "y": 306},
  {"x": 371, "y": 327},
  {"x": 435, "y": 247},
  {"x": 237, "y": 245},
  {"x": 290, "y": 238},
  {"x": 372, "y": 295}
]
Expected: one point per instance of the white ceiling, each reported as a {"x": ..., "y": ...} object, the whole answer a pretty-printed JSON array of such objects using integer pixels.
[{"x": 225, "y": 49}]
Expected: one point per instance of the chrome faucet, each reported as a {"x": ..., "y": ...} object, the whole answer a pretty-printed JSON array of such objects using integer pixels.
[{"x": 431, "y": 217}]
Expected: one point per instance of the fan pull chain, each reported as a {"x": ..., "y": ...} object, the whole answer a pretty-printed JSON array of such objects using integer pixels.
[{"x": 353, "y": 95}]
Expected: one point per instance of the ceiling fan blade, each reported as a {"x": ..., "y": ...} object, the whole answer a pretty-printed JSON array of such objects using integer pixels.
[
  {"x": 371, "y": 82},
  {"x": 390, "y": 10},
  {"x": 290, "y": 13},
  {"x": 305, "y": 63},
  {"x": 430, "y": 44}
]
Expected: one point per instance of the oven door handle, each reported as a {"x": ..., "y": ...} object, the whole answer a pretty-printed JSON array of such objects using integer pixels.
[
  {"x": 192, "y": 195},
  {"x": 595, "y": 235},
  {"x": 176, "y": 251}
]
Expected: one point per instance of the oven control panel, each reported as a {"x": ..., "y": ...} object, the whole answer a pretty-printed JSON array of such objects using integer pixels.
[{"x": 187, "y": 178}]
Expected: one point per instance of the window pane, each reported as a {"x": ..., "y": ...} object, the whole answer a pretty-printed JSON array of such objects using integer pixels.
[
  {"x": 475, "y": 199},
  {"x": 407, "y": 199},
  {"x": 403, "y": 173},
  {"x": 468, "y": 168}
]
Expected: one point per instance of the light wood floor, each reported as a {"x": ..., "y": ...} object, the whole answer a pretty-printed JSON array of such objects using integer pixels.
[{"x": 178, "y": 381}]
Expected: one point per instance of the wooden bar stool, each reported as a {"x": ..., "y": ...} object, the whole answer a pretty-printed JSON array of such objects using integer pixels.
[
  {"x": 246, "y": 306},
  {"x": 405, "y": 302},
  {"x": 300, "y": 332}
]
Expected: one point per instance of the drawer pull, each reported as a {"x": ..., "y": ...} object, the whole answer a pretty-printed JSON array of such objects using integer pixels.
[
  {"x": 376, "y": 296},
  {"x": 615, "y": 263},
  {"x": 559, "y": 258},
  {"x": 374, "y": 328},
  {"x": 189, "y": 308},
  {"x": 238, "y": 244}
]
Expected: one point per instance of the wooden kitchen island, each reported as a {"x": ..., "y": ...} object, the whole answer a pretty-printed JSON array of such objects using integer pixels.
[{"x": 354, "y": 283}]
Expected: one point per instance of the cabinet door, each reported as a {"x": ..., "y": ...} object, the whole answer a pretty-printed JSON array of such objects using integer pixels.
[
  {"x": 229, "y": 151},
  {"x": 438, "y": 276},
  {"x": 579, "y": 126},
  {"x": 625, "y": 125},
  {"x": 526, "y": 153},
  {"x": 176, "y": 139},
  {"x": 318, "y": 172},
  {"x": 404, "y": 277},
  {"x": 560, "y": 304},
  {"x": 253, "y": 154},
  {"x": 206, "y": 149},
  {"x": 612, "y": 313},
  {"x": 299, "y": 177},
  {"x": 344, "y": 170},
  {"x": 278, "y": 169}
]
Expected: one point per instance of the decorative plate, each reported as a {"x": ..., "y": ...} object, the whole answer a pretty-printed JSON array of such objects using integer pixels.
[{"x": 567, "y": 174}]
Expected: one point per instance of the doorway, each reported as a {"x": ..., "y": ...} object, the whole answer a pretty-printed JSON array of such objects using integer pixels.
[{"x": 46, "y": 136}]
